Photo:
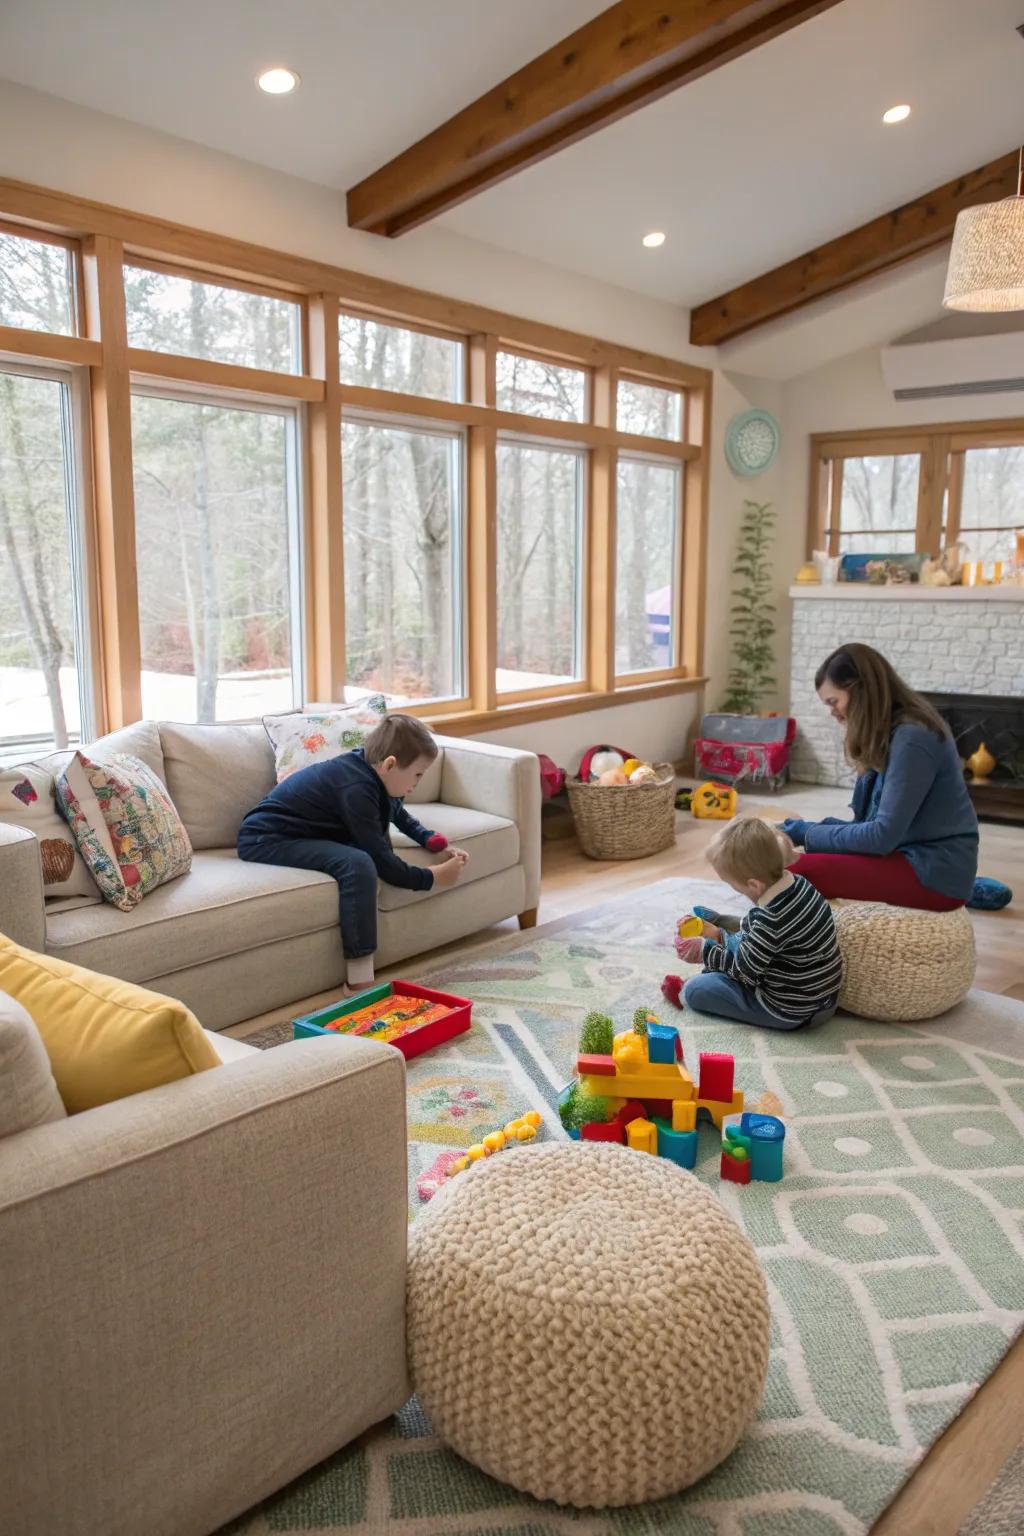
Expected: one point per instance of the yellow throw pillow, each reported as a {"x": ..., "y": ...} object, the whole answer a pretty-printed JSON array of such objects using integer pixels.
[{"x": 105, "y": 1039}]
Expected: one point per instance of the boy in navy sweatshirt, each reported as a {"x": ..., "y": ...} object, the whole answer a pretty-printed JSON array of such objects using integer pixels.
[{"x": 334, "y": 816}]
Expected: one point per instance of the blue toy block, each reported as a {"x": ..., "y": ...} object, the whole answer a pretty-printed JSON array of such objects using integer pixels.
[
  {"x": 680, "y": 1147},
  {"x": 662, "y": 1043},
  {"x": 767, "y": 1135}
]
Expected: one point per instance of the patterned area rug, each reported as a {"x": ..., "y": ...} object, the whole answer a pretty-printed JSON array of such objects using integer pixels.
[{"x": 893, "y": 1247}]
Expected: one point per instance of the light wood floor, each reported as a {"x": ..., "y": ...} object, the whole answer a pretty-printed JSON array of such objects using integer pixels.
[{"x": 966, "y": 1460}]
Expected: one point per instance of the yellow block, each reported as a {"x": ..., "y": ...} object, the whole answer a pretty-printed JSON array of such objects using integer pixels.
[
  {"x": 642, "y": 1136},
  {"x": 717, "y": 1110},
  {"x": 654, "y": 1082},
  {"x": 684, "y": 1115}
]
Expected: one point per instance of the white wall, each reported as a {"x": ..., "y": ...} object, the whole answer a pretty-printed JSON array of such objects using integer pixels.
[
  {"x": 847, "y": 395},
  {"x": 654, "y": 729}
]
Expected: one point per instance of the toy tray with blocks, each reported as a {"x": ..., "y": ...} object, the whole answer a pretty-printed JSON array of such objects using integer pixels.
[{"x": 399, "y": 1013}]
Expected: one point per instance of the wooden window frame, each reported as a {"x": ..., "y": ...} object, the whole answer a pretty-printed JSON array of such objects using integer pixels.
[
  {"x": 941, "y": 448},
  {"x": 103, "y": 238}
]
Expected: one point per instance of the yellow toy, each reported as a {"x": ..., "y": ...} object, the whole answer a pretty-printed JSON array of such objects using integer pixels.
[
  {"x": 522, "y": 1129},
  {"x": 714, "y": 802},
  {"x": 691, "y": 927}
]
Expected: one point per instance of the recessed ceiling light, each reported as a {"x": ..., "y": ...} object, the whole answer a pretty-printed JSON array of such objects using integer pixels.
[
  {"x": 896, "y": 114},
  {"x": 277, "y": 81},
  {"x": 656, "y": 237}
]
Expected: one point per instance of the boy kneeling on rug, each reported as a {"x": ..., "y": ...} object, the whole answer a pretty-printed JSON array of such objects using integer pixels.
[
  {"x": 334, "y": 816},
  {"x": 782, "y": 969}
]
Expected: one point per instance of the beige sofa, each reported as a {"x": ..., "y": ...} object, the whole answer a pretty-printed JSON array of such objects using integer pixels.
[
  {"x": 232, "y": 939},
  {"x": 204, "y": 1290}
]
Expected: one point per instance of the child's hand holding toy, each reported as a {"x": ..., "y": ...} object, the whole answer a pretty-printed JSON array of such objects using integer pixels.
[{"x": 436, "y": 843}]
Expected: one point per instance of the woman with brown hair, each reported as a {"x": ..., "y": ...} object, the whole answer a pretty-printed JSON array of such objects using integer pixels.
[{"x": 913, "y": 840}]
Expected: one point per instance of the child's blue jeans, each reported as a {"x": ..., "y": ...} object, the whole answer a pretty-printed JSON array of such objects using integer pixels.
[
  {"x": 711, "y": 992},
  {"x": 353, "y": 869}
]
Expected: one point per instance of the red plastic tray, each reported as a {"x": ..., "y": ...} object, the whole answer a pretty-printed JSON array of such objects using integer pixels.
[{"x": 416, "y": 1041}]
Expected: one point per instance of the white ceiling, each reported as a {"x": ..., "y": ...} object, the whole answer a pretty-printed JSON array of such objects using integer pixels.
[{"x": 743, "y": 169}]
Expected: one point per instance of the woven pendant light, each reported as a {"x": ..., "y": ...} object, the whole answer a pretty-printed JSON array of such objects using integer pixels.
[{"x": 986, "y": 262}]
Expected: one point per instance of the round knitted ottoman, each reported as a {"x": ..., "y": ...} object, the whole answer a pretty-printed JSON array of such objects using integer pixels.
[
  {"x": 902, "y": 964},
  {"x": 586, "y": 1323}
]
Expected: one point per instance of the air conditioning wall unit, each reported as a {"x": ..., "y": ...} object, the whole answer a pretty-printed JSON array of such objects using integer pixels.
[{"x": 966, "y": 365}]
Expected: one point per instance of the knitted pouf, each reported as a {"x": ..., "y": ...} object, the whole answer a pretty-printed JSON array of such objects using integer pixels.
[
  {"x": 903, "y": 964},
  {"x": 586, "y": 1323}
]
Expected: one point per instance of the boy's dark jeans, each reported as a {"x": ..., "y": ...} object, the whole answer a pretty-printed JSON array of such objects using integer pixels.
[{"x": 353, "y": 869}]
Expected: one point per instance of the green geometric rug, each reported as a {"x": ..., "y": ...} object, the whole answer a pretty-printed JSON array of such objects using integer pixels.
[{"x": 893, "y": 1247}]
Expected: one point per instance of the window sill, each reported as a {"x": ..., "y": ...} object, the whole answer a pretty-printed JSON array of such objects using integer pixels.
[{"x": 471, "y": 722}]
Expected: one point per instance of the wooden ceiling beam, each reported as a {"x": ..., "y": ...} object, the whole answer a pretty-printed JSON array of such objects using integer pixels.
[
  {"x": 631, "y": 54},
  {"x": 885, "y": 242}
]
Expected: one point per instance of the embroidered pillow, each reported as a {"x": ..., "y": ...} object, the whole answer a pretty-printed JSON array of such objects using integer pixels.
[
  {"x": 299, "y": 740},
  {"x": 125, "y": 825},
  {"x": 27, "y": 800}
]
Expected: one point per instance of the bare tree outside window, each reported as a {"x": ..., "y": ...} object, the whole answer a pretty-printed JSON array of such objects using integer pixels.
[
  {"x": 992, "y": 503},
  {"x": 214, "y": 507},
  {"x": 250, "y": 329},
  {"x": 649, "y": 410},
  {"x": 648, "y": 529},
  {"x": 878, "y": 510},
  {"x": 402, "y": 492},
  {"x": 380, "y": 356},
  {"x": 39, "y": 682},
  {"x": 35, "y": 285},
  {"x": 540, "y": 512},
  {"x": 537, "y": 388}
]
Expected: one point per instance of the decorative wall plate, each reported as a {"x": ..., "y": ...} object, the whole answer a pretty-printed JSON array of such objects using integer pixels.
[{"x": 752, "y": 442}]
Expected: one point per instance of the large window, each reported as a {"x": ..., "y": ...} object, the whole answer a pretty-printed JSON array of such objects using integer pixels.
[
  {"x": 380, "y": 356},
  {"x": 216, "y": 546},
  {"x": 534, "y": 387},
  {"x": 171, "y": 313},
  {"x": 992, "y": 502},
  {"x": 540, "y": 565},
  {"x": 920, "y": 489},
  {"x": 403, "y": 560},
  {"x": 878, "y": 506},
  {"x": 37, "y": 290},
  {"x": 649, "y": 518},
  {"x": 42, "y": 575}
]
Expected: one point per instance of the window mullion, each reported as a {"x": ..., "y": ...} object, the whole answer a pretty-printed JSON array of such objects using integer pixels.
[{"x": 323, "y": 519}]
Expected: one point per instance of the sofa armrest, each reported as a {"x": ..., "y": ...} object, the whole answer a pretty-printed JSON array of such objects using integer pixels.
[
  {"x": 504, "y": 781},
  {"x": 205, "y": 1279},
  {"x": 22, "y": 903}
]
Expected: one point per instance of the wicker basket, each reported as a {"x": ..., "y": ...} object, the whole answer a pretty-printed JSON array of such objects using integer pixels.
[{"x": 625, "y": 821}]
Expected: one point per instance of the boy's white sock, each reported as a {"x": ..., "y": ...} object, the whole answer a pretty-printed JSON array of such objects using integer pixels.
[{"x": 360, "y": 973}]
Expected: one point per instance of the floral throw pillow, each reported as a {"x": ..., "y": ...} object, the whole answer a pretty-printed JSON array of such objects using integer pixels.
[
  {"x": 125, "y": 825},
  {"x": 299, "y": 740}
]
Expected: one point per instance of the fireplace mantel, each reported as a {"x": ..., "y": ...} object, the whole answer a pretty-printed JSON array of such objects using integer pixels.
[{"x": 862, "y": 591}]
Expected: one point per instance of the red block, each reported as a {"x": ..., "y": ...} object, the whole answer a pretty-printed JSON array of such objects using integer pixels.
[
  {"x": 632, "y": 1110},
  {"x": 662, "y": 1108},
  {"x": 601, "y": 1066},
  {"x": 716, "y": 1075},
  {"x": 601, "y": 1130},
  {"x": 735, "y": 1171}
]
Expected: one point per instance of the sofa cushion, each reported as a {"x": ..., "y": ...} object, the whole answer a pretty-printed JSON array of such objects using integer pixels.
[
  {"x": 215, "y": 775},
  {"x": 228, "y": 1048},
  {"x": 222, "y": 907},
  {"x": 492, "y": 843},
  {"x": 126, "y": 826},
  {"x": 28, "y": 1092},
  {"x": 141, "y": 740},
  {"x": 105, "y": 1039}
]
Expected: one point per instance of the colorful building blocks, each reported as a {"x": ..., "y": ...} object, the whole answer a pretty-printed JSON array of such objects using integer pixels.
[{"x": 641, "y": 1094}]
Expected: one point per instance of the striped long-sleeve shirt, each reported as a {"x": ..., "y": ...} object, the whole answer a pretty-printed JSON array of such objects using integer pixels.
[{"x": 788, "y": 952}]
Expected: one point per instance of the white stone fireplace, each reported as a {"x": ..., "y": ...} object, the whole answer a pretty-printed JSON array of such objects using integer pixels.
[{"x": 956, "y": 640}]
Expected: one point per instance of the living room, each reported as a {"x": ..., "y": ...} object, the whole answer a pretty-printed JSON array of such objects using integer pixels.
[{"x": 486, "y": 401}]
